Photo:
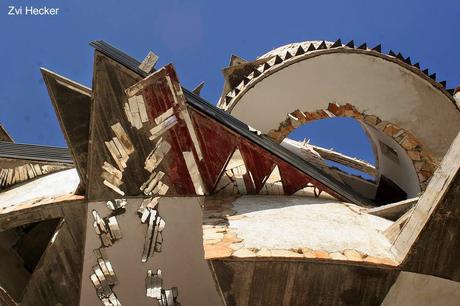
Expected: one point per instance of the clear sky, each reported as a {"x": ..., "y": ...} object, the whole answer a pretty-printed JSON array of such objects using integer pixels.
[{"x": 199, "y": 37}]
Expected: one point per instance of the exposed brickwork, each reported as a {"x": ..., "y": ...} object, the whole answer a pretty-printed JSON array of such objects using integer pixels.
[{"x": 423, "y": 162}]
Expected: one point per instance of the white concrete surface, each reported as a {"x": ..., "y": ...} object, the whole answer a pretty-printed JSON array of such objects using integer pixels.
[
  {"x": 281, "y": 222},
  {"x": 51, "y": 185}
]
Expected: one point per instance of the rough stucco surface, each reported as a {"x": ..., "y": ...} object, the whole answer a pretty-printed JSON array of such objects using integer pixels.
[
  {"x": 274, "y": 222},
  {"x": 413, "y": 289},
  {"x": 181, "y": 259},
  {"x": 371, "y": 84},
  {"x": 51, "y": 185}
]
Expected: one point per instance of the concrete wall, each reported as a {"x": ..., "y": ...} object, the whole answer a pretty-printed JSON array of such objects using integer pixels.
[
  {"x": 181, "y": 260},
  {"x": 412, "y": 289}
]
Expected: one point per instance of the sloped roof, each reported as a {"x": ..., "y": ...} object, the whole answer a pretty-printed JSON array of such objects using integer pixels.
[{"x": 35, "y": 152}]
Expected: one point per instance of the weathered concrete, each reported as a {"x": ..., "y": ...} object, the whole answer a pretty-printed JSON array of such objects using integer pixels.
[
  {"x": 275, "y": 222},
  {"x": 412, "y": 289},
  {"x": 181, "y": 259}
]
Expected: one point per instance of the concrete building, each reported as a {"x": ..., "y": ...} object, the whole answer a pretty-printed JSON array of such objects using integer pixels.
[{"x": 164, "y": 199}]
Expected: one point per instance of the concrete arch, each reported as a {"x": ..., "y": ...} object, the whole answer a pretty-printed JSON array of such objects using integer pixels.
[
  {"x": 399, "y": 96},
  {"x": 381, "y": 84}
]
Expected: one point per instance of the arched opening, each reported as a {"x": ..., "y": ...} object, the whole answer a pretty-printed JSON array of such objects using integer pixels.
[{"x": 355, "y": 152}]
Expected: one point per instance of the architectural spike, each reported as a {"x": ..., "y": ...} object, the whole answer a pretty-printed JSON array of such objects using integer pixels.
[
  {"x": 322, "y": 46},
  {"x": 451, "y": 91},
  {"x": 400, "y": 56},
  {"x": 417, "y": 65},
  {"x": 425, "y": 71},
  {"x": 443, "y": 83},
  {"x": 288, "y": 55},
  {"x": 392, "y": 53},
  {"x": 433, "y": 76},
  {"x": 408, "y": 61},
  {"x": 350, "y": 44},
  {"x": 311, "y": 47},
  {"x": 278, "y": 60},
  {"x": 236, "y": 60},
  {"x": 363, "y": 46},
  {"x": 377, "y": 48},
  {"x": 299, "y": 51},
  {"x": 336, "y": 44}
]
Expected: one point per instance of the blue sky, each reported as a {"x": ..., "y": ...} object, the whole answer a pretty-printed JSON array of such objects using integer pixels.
[{"x": 199, "y": 37}]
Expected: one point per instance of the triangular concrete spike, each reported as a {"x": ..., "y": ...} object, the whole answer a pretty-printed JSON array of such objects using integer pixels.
[
  {"x": 378, "y": 48},
  {"x": 400, "y": 56},
  {"x": 322, "y": 46},
  {"x": 416, "y": 65},
  {"x": 299, "y": 51},
  {"x": 236, "y": 60},
  {"x": 350, "y": 44},
  {"x": 433, "y": 76},
  {"x": 197, "y": 90},
  {"x": 311, "y": 47},
  {"x": 278, "y": 60},
  {"x": 408, "y": 61},
  {"x": 256, "y": 73},
  {"x": 288, "y": 55},
  {"x": 425, "y": 71},
  {"x": 392, "y": 53},
  {"x": 265, "y": 66},
  {"x": 451, "y": 91},
  {"x": 443, "y": 83},
  {"x": 337, "y": 43},
  {"x": 363, "y": 46}
]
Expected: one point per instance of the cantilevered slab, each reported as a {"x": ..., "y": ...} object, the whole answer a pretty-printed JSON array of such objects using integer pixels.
[{"x": 72, "y": 103}]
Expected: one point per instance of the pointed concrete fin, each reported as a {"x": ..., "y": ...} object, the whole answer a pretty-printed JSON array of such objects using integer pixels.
[
  {"x": 400, "y": 56},
  {"x": 236, "y": 60},
  {"x": 311, "y": 47},
  {"x": 322, "y": 46},
  {"x": 443, "y": 83},
  {"x": 197, "y": 90},
  {"x": 299, "y": 51},
  {"x": 273, "y": 185},
  {"x": 408, "y": 61},
  {"x": 350, "y": 44},
  {"x": 392, "y": 53},
  {"x": 451, "y": 91},
  {"x": 337, "y": 43},
  {"x": 378, "y": 48},
  {"x": 278, "y": 60},
  {"x": 4, "y": 136},
  {"x": 363, "y": 47},
  {"x": 426, "y": 71},
  {"x": 416, "y": 65},
  {"x": 149, "y": 62},
  {"x": 433, "y": 76},
  {"x": 72, "y": 103},
  {"x": 288, "y": 55}
]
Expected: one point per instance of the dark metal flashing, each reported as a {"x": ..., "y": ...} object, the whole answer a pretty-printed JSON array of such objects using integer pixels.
[
  {"x": 35, "y": 152},
  {"x": 241, "y": 128}
]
